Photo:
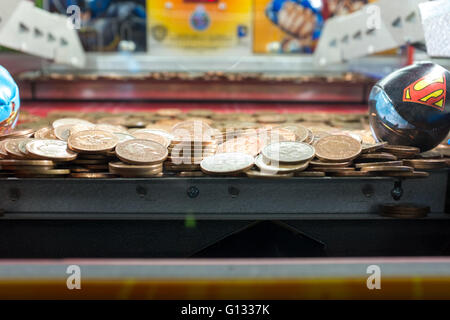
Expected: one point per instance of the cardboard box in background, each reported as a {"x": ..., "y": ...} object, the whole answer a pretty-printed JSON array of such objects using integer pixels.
[{"x": 212, "y": 27}]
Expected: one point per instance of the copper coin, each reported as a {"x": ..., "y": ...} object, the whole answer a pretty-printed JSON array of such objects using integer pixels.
[
  {"x": 301, "y": 132},
  {"x": 191, "y": 174},
  {"x": 3, "y": 153},
  {"x": 13, "y": 150},
  {"x": 366, "y": 157},
  {"x": 403, "y": 149},
  {"x": 45, "y": 133},
  {"x": 337, "y": 148},
  {"x": 384, "y": 163},
  {"x": 334, "y": 170},
  {"x": 92, "y": 175},
  {"x": 426, "y": 163},
  {"x": 181, "y": 167},
  {"x": 90, "y": 161},
  {"x": 153, "y": 137},
  {"x": 351, "y": 174},
  {"x": 11, "y": 162},
  {"x": 92, "y": 141},
  {"x": 431, "y": 154},
  {"x": 387, "y": 169},
  {"x": 309, "y": 174},
  {"x": 68, "y": 121},
  {"x": 17, "y": 133},
  {"x": 251, "y": 145},
  {"x": 192, "y": 129},
  {"x": 319, "y": 164},
  {"x": 50, "y": 149},
  {"x": 398, "y": 174},
  {"x": 44, "y": 171},
  {"x": 140, "y": 151},
  {"x": 368, "y": 147},
  {"x": 121, "y": 165},
  {"x": 265, "y": 175}
]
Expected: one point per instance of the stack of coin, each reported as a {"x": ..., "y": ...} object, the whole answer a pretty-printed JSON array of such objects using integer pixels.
[
  {"x": 404, "y": 211},
  {"x": 140, "y": 159},
  {"x": 285, "y": 157},
  {"x": 32, "y": 168},
  {"x": 192, "y": 142}
]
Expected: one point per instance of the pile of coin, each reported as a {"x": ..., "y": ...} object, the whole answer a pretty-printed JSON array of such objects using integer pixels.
[
  {"x": 404, "y": 211},
  {"x": 202, "y": 142},
  {"x": 201, "y": 76}
]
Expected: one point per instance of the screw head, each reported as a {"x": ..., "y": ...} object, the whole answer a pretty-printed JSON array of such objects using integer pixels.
[{"x": 193, "y": 192}]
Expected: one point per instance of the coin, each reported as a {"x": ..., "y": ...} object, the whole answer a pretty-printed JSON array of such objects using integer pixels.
[
  {"x": 3, "y": 153},
  {"x": 384, "y": 163},
  {"x": 401, "y": 151},
  {"x": 337, "y": 148},
  {"x": 350, "y": 174},
  {"x": 160, "y": 132},
  {"x": 12, "y": 149},
  {"x": 431, "y": 154},
  {"x": 369, "y": 147},
  {"x": 153, "y": 137},
  {"x": 265, "y": 175},
  {"x": 191, "y": 174},
  {"x": 181, "y": 167},
  {"x": 17, "y": 133},
  {"x": 50, "y": 149},
  {"x": 192, "y": 129},
  {"x": 140, "y": 151},
  {"x": 288, "y": 152},
  {"x": 278, "y": 167},
  {"x": 309, "y": 174},
  {"x": 92, "y": 141},
  {"x": 125, "y": 166},
  {"x": 387, "y": 168},
  {"x": 69, "y": 121},
  {"x": 92, "y": 175},
  {"x": 404, "y": 210},
  {"x": 399, "y": 174},
  {"x": 301, "y": 133},
  {"x": 11, "y": 162},
  {"x": 425, "y": 164},
  {"x": 44, "y": 171},
  {"x": 334, "y": 170},
  {"x": 45, "y": 133},
  {"x": 227, "y": 163},
  {"x": 376, "y": 157},
  {"x": 251, "y": 145},
  {"x": 319, "y": 164}
]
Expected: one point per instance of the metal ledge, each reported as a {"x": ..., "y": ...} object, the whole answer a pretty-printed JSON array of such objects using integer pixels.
[{"x": 217, "y": 195}]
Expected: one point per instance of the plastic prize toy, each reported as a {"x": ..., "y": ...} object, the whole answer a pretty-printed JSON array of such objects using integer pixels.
[
  {"x": 9, "y": 102},
  {"x": 411, "y": 107}
]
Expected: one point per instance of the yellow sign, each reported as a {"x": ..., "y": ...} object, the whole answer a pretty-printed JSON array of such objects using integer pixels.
[{"x": 199, "y": 26}]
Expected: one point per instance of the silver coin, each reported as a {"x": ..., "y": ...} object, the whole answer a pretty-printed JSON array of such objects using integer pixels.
[
  {"x": 289, "y": 152},
  {"x": 230, "y": 162}
]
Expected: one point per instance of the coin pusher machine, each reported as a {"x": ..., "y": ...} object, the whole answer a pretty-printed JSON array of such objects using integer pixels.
[{"x": 210, "y": 216}]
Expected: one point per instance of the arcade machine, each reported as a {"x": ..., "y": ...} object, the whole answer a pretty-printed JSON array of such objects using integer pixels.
[{"x": 269, "y": 148}]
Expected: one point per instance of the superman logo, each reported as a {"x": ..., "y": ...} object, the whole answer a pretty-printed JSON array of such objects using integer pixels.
[{"x": 429, "y": 90}]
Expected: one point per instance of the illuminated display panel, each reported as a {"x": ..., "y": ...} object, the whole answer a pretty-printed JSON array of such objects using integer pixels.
[{"x": 201, "y": 1}]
